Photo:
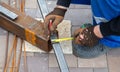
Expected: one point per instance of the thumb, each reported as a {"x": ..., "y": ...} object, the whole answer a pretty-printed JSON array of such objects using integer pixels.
[
  {"x": 77, "y": 31},
  {"x": 56, "y": 21}
]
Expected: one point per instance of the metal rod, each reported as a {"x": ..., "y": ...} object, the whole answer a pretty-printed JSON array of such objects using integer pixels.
[
  {"x": 22, "y": 5},
  {"x": 19, "y": 57},
  {"x": 56, "y": 46},
  {"x": 6, "y": 53},
  {"x": 9, "y": 55},
  {"x": 14, "y": 56},
  {"x": 25, "y": 59}
]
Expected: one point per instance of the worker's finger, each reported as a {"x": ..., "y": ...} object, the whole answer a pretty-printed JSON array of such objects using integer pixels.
[
  {"x": 56, "y": 22},
  {"x": 76, "y": 40},
  {"x": 46, "y": 24},
  {"x": 77, "y": 32},
  {"x": 48, "y": 18}
]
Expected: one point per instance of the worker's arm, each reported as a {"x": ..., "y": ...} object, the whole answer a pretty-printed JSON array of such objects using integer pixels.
[
  {"x": 64, "y": 3},
  {"x": 90, "y": 36},
  {"x": 111, "y": 28},
  {"x": 57, "y": 15}
]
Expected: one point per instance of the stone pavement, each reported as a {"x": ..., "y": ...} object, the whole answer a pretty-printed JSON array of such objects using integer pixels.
[{"x": 46, "y": 62}]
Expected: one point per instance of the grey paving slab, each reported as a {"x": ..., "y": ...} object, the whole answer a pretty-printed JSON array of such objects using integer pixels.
[
  {"x": 32, "y": 12},
  {"x": 74, "y": 69},
  {"x": 36, "y": 63},
  {"x": 113, "y": 58},
  {"x": 71, "y": 69},
  {"x": 70, "y": 59},
  {"x": 72, "y": 6},
  {"x": 28, "y": 53},
  {"x": 2, "y": 31},
  {"x": 31, "y": 4},
  {"x": 99, "y": 62},
  {"x": 51, "y": 5},
  {"x": 80, "y": 6},
  {"x": 39, "y": 53},
  {"x": 100, "y": 70},
  {"x": 1, "y": 70},
  {"x": 85, "y": 70},
  {"x": 79, "y": 16},
  {"x": 3, "y": 42},
  {"x": 54, "y": 69}
]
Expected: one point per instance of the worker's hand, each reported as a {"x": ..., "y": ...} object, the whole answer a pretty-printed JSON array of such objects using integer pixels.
[
  {"x": 56, "y": 16},
  {"x": 76, "y": 35},
  {"x": 86, "y": 37}
]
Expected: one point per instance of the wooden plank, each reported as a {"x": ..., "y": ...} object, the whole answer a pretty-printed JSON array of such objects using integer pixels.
[{"x": 26, "y": 28}]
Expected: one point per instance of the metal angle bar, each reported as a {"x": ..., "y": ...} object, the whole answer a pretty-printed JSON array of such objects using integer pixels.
[
  {"x": 59, "y": 55},
  {"x": 56, "y": 46},
  {"x": 43, "y": 8},
  {"x": 8, "y": 13}
]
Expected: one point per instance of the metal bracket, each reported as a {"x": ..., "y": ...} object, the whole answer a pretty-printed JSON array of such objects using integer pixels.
[
  {"x": 8, "y": 13},
  {"x": 56, "y": 46}
]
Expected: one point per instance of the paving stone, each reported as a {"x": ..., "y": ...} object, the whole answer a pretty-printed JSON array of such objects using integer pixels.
[
  {"x": 2, "y": 50},
  {"x": 80, "y": 6},
  {"x": 51, "y": 5},
  {"x": 36, "y": 63},
  {"x": 28, "y": 53},
  {"x": 81, "y": 70},
  {"x": 31, "y": 4},
  {"x": 30, "y": 48},
  {"x": 2, "y": 31},
  {"x": 71, "y": 69},
  {"x": 33, "y": 12},
  {"x": 75, "y": 69},
  {"x": 70, "y": 59},
  {"x": 39, "y": 53},
  {"x": 1, "y": 70},
  {"x": 100, "y": 70},
  {"x": 113, "y": 58},
  {"x": 93, "y": 63},
  {"x": 79, "y": 16},
  {"x": 72, "y": 6},
  {"x": 54, "y": 69}
]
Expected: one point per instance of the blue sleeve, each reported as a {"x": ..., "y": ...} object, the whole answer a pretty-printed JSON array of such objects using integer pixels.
[
  {"x": 86, "y": 2},
  {"x": 111, "y": 28},
  {"x": 65, "y": 3}
]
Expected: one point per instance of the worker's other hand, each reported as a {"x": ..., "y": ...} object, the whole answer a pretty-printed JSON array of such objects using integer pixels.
[
  {"x": 56, "y": 16},
  {"x": 76, "y": 35},
  {"x": 86, "y": 37}
]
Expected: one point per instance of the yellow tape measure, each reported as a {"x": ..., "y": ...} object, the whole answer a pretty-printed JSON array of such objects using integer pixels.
[{"x": 62, "y": 39}]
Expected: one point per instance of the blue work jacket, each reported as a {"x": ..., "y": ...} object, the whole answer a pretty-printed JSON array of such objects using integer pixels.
[{"x": 104, "y": 11}]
